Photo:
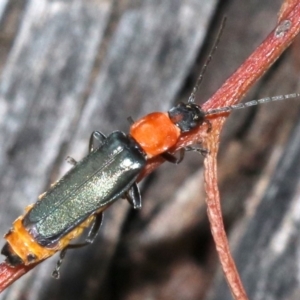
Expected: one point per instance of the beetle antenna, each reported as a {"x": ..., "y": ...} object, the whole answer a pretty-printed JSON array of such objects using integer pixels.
[
  {"x": 208, "y": 60},
  {"x": 225, "y": 109}
]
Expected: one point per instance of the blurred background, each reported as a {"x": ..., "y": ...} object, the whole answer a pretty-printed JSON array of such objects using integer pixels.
[{"x": 74, "y": 66}]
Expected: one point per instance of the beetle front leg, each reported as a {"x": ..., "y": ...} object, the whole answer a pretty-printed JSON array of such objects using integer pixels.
[{"x": 173, "y": 159}]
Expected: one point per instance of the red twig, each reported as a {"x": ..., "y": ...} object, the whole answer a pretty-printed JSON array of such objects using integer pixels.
[
  {"x": 230, "y": 93},
  {"x": 9, "y": 275}
]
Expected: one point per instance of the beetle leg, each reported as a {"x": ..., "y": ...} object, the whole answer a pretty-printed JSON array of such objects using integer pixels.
[
  {"x": 173, "y": 159},
  {"x": 96, "y": 140},
  {"x": 62, "y": 254},
  {"x": 130, "y": 120},
  {"x": 94, "y": 229},
  {"x": 89, "y": 240},
  {"x": 133, "y": 196},
  {"x": 71, "y": 160},
  {"x": 202, "y": 151}
]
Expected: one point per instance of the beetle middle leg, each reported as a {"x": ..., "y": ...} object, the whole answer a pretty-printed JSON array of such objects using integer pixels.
[
  {"x": 133, "y": 196},
  {"x": 89, "y": 240}
]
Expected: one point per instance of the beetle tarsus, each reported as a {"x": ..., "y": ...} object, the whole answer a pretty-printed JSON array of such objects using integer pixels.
[
  {"x": 55, "y": 273},
  {"x": 71, "y": 160},
  {"x": 202, "y": 151},
  {"x": 130, "y": 120}
]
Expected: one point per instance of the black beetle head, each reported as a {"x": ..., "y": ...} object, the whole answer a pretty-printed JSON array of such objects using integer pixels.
[{"x": 187, "y": 116}]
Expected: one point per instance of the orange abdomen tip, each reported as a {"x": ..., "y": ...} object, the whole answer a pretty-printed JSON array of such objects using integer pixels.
[{"x": 155, "y": 133}]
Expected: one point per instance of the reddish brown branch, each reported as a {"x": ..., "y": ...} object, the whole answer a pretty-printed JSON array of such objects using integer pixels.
[
  {"x": 9, "y": 275},
  {"x": 237, "y": 85},
  {"x": 230, "y": 93},
  {"x": 286, "y": 8}
]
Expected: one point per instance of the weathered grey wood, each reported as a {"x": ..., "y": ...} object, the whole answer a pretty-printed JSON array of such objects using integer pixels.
[
  {"x": 162, "y": 250},
  {"x": 143, "y": 70},
  {"x": 3, "y": 5},
  {"x": 78, "y": 66},
  {"x": 41, "y": 92},
  {"x": 267, "y": 251},
  {"x": 51, "y": 101},
  {"x": 265, "y": 240}
]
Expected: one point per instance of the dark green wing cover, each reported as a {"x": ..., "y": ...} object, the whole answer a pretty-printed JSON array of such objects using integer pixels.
[{"x": 97, "y": 180}]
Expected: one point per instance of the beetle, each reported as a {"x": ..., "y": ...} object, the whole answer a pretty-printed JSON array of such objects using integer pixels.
[
  {"x": 77, "y": 200},
  {"x": 107, "y": 173}
]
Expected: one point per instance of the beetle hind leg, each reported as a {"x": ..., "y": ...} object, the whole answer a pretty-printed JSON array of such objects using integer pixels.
[
  {"x": 89, "y": 240},
  {"x": 62, "y": 254},
  {"x": 130, "y": 120}
]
